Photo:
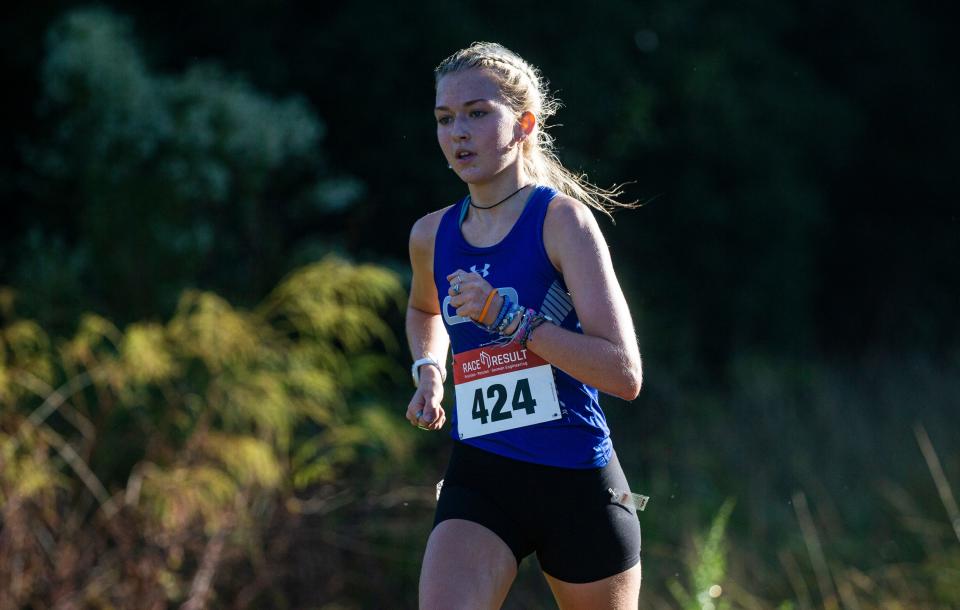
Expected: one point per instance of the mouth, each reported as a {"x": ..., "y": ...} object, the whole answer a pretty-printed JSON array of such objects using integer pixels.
[{"x": 464, "y": 156}]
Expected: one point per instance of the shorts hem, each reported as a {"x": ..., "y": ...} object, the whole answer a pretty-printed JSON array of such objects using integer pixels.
[
  {"x": 623, "y": 566},
  {"x": 485, "y": 526}
]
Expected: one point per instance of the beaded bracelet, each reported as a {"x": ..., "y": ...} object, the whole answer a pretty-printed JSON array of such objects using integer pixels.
[
  {"x": 518, "y": 335},
  {"x": 508, "y": 319},
  {"x": 537, "y": 320},
  {"x": 524, "y": 321},
  {"x": 531, "y": 320}
]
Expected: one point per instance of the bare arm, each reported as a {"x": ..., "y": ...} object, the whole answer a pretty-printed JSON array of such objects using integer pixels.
[
  {"x": 425, "y": 330},
  {"x": 606, "y": 355}
]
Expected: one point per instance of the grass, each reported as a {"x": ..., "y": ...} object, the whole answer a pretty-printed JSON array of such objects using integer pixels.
[{"x": 841, "y": 474}]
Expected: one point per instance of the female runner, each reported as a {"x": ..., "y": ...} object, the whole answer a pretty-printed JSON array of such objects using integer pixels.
[{"x": 518, "y": 278}]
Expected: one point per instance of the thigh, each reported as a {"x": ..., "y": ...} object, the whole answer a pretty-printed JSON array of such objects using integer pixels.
[
  {"x": 484, "y": 488},
  {"x": 587, "y": 537},
  {"x": 465, "y": 566},
  {"x": 618, "y": 592}
]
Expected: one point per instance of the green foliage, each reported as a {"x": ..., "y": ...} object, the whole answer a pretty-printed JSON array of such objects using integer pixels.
[
  {"x": 145, "y": 353},
  {"x": 24, "y": 478},
  {"x": 707, "y": 567},
  {"x": 232, "y": 414},
  {"x": 944, "y": 570},
  {"x": 841, "y": 432}
]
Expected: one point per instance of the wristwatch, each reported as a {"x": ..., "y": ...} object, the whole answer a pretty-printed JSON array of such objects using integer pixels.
[{"x": 427, "y": 359}]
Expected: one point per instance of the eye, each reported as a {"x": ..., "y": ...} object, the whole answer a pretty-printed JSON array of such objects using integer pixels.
[
  {"x": 476, "y": 114},
  {"x": 444, "y": 120}
]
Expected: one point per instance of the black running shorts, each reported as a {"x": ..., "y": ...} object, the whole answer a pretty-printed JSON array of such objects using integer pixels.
[{"x": 564, "y": 515}]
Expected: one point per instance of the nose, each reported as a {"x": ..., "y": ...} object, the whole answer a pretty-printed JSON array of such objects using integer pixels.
[{"x": 460, "y": 131}]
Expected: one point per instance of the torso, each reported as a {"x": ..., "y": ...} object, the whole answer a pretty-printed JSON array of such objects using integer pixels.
[{"x": 515, "y": 259}]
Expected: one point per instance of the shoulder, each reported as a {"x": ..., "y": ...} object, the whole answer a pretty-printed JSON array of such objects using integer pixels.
[
  {"x": 423, "y": 292},
  {"x": 565, "y": 213},
  {"x": 569, "y": 226},
  {"x": 424, "y": 230}
]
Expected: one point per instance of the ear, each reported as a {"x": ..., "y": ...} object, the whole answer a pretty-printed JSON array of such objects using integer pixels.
[{"x": 526, "y": 123}]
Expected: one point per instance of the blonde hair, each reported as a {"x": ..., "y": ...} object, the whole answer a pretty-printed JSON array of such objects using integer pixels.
[{"x": 526, "y": 90}]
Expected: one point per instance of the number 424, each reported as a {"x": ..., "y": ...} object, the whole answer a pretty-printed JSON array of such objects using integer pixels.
[{"x": 522, "y": 399}]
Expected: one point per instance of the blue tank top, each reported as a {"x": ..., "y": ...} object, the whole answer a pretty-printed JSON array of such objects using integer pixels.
[{"x": 580, "y": 438}]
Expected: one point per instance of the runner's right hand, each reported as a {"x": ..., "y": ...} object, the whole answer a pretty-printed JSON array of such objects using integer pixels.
[{"x": 424, "y": 410}]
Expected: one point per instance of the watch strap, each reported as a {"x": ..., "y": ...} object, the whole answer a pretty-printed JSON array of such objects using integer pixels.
[{"x": 427, "y": 359}]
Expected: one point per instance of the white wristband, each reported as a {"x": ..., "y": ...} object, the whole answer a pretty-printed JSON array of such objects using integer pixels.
[{"x": 427, "y": 359}]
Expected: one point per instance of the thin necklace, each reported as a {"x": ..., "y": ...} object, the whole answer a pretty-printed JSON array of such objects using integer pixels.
[{"x": 487, "y": 207}]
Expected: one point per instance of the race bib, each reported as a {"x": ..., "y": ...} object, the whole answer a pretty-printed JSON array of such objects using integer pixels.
[{"x": 502, "y": 387}]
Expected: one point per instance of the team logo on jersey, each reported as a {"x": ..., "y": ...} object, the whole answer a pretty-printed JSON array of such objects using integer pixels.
[{"x": 483, "y": 272}]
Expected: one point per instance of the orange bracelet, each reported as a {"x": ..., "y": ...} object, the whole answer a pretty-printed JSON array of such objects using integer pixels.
[{"x": 486, "y": 306}]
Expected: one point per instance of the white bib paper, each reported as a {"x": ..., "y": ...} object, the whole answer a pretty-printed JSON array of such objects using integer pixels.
[{"x": 502, "y": 388}]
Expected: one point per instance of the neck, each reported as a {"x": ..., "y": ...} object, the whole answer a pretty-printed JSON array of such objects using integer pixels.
[{"x": 502, "y": 194}]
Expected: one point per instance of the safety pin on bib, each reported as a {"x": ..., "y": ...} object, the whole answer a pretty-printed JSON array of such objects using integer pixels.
[{"x": 627, "y": 499}]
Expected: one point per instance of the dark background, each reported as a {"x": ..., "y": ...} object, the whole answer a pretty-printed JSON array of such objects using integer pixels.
[
  {"x": 793, "y": 274},
  {"x": 796, "y": 158}
]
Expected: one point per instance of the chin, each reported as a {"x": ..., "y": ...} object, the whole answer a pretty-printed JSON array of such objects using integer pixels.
[{"x": 472, "y": 176}]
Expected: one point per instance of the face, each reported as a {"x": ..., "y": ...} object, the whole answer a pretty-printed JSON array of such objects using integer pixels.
[{"x": 477, "y": 131}]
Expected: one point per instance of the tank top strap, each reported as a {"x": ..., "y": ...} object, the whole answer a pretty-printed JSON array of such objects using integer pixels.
[
  {"x": 536, "y": 211},
  {"x": 449, "y": 228}
]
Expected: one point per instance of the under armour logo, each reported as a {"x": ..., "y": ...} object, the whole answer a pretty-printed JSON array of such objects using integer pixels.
[{"x": 483, "y": 272}]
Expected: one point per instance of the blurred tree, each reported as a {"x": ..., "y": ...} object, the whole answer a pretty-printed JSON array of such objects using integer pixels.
[{"x": 164, "y": 181}]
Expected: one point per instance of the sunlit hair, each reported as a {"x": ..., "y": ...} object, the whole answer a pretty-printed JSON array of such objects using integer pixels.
[{"x": 526, "y": 90}]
